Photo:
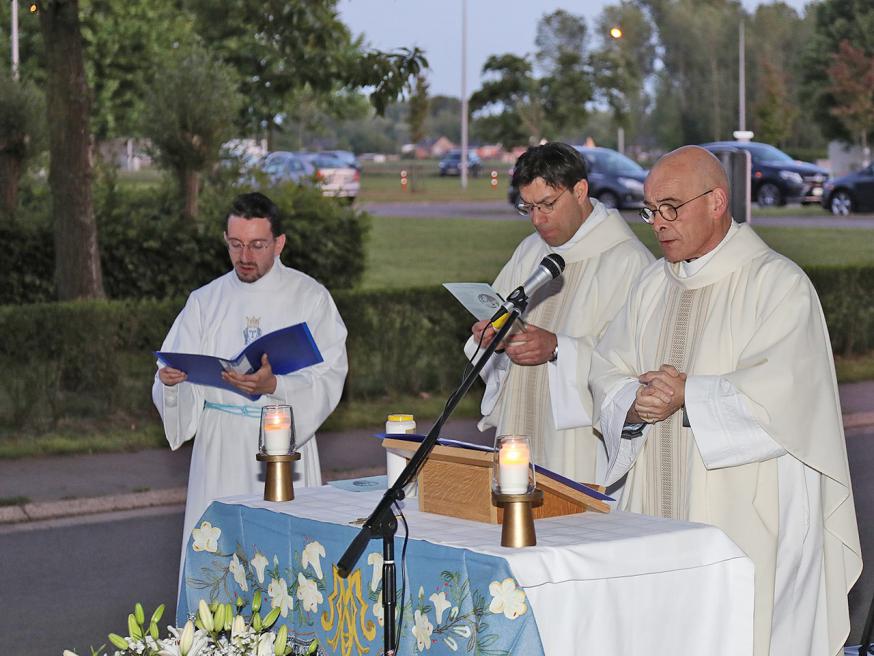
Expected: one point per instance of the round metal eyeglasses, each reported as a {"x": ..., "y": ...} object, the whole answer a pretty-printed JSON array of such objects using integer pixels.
[
  {"x": 668, "y": 211},
  {"x": 544, "y": 208}
]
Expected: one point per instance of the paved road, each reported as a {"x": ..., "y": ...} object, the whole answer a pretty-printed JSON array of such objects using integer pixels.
[{"x": 499, "y": 210}]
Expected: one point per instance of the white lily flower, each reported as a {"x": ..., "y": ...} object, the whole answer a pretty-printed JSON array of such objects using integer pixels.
[
  {"x": 507, "y": 599},
  {"x": 205, "y": 615},
  {"x": 310, "y": 556},
  {"x": 67, "y": 652},
  {"x": 374, "y": 559},
  {"x": 308, "y": 593},
  {"x": 440, "y": 605},
  {"x": 206, "y": 537},
  {"x": 236, "y": 568},
  {"x": 258, "y": 563},
  {"x": 422, "y": 629},
  {"x": 265, "y": 644},
  {"x": 238, "y": 627},
  {"x": 279, "y": 597},
  {"x": 421, "y": 592}
]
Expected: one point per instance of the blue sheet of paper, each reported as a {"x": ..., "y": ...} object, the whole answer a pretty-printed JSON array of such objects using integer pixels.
[{"x": 288, "y": 349}]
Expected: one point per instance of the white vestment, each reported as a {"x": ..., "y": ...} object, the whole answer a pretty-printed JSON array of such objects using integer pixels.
[
  {"x": 765, "y": 458},
  {"x": 551, "y": 402},
  {"x": 220, "y": 319}
]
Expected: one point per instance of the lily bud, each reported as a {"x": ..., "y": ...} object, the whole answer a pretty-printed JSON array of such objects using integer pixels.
[
  {"x": 256, "y": 601},
  {"x": 118, "y": 641},
  {"x": 219, "y": 617},
  {"x": 238, "y": 627},
  {"x": 281, "y": 639},
  {"x": 158, "y": 614},
  {"x": 271, "y": 617},
  {"x": 134, "y": 630},
  {"x": 139, "y": 614},
  {"x": 205, "y": 616},
  {"x": 186, "y": 639}
]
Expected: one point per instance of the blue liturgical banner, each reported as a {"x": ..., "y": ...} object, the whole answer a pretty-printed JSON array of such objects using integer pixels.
[{"x": 457, "y": 601}]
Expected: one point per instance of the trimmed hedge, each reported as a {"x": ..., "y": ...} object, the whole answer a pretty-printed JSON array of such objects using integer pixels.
[
  {"x": 147, "y": 250},
  {"x": 74, "y": 362}
]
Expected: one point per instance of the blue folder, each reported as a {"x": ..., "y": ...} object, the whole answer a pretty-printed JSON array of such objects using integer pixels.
[{"x": 288, "y": 349}]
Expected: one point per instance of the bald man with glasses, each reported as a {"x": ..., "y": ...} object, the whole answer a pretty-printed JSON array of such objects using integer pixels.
[
  {"x": 536, "y": 383},
  {"x": 715, "y": 391}
]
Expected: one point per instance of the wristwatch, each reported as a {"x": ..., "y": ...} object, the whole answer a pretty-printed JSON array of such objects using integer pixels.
[{"x": 554, "y": 355}]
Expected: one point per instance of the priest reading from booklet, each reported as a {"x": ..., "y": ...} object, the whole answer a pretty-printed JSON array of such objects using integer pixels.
[
  {"x": 536, "y": 385},
  {"x": 715, "y": 392},
  {"x": 260, "y": 295}
]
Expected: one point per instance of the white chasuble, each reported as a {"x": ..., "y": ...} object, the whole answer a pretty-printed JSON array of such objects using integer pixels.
[
  {"x": 551, "y": 402},
  {"x": 765, "y": 458},
  {"x": 220, "y": 319}
]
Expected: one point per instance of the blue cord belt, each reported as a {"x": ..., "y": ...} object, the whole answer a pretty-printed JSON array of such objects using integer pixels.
[{"x": 251, "y": 411}]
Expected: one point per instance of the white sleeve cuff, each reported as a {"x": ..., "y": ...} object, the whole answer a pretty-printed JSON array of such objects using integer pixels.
[
  {"x": 725, "y": 431},
  {"x": 568, "y": 410},
  {"x": 494, "y": 373},
  {"x": 621, "y": 452}
]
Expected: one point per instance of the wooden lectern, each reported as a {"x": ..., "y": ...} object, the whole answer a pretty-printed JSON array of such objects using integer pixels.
[{"x": 458, "y": 482}]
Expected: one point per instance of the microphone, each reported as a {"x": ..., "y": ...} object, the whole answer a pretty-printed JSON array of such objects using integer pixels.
[{"x": 550, "y": 268}]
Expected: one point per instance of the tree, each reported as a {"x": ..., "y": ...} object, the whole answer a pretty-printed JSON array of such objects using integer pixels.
[
  {"x": 834, "y": 22},
  {"x": 509, "y": 102},
  {"x": 77, "y": 259},
  {"x": 774, "y": 111},
  {"x": 567, "y": 77},
  {"x": 279, "y": 46},
  {"x": 189, "y": 114},
  {"x": 418, "y": 109},
  {"x": 852, "y": 85},
  {"x": 22, "y": 127}
]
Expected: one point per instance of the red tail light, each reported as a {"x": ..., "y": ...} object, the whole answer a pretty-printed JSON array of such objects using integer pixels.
[
  {"x": 357, "y": 176},
  {"x": 319, "y": 174}
]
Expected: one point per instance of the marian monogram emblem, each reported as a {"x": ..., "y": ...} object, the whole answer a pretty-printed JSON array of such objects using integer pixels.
[{"x": 252, "y": 331}]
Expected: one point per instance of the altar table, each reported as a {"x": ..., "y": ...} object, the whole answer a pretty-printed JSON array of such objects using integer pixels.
[{"x": 617, "y": 583}]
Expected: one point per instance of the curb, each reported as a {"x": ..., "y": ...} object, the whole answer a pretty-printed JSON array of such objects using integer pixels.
[
  {"x": 859, "y": 420},
  {"x": 32, "y": 512}
]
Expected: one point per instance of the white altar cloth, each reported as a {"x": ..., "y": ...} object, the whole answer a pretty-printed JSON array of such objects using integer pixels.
[{"x": 619, "y": 583}]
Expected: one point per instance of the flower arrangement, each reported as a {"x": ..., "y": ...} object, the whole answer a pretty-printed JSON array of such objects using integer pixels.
[{"x": 216, "y": 630}]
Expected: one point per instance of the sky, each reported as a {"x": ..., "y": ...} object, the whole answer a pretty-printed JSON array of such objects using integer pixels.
[{"x": 493, "y": 27}]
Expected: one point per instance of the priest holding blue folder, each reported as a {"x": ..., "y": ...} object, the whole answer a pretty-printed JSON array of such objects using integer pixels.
[{"x": 260, "y": 295}]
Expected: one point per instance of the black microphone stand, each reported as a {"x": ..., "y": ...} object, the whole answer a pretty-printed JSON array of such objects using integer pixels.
[{"x": 382, "y": 521}]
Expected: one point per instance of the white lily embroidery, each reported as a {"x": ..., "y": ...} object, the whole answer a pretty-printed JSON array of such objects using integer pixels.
[
  {"x": 258, "y": 563},
  {"x": 450, "y": 642},
  {"x": 422, "y": 629},
  {"x": 374, "y": 559},
  {"x": 310, "y": 556},
  {"x": 308, "y": 593},
  {"x": 462, "y": 630},
  {"x": 236, "y": 568},
  {"x": 206, "y": 537},
  {"x": 507, "y": 599},
  {"x": 279, "y": 597},
  {"x": 379, "y": 611},
  {"x": 440, "y": 605}
]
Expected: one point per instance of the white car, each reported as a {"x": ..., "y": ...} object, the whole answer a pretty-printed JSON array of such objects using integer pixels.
[{"x": 336, "y": 178}]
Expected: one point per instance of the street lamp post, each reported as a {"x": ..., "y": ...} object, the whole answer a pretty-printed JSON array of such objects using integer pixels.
[
  {"x": 742, "y": 134},
  {"x": 14, "y": 39},
  {"x": 616, "y": 34},
  {"x": 463, "y": 175}
]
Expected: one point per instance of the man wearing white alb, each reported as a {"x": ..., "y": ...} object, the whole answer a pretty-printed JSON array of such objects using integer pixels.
[
  {"x": 715, "y": 392},
  {"x": 260, "y": 295},
  {"x": 537, "y": 385}
]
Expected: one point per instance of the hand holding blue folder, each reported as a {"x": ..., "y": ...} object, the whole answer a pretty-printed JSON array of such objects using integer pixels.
[{"x": 288, "y": 349}]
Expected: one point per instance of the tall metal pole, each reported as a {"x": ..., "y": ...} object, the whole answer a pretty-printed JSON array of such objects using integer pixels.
[
  {"x": 741, "y": 82},
  {"x": 14, "y": 39},
  {"x": 464, "y": 94}
]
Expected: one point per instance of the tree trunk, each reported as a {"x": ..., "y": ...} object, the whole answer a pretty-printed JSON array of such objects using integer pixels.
[
  {"x": 10, "y": 176},
  {"x": 190, "y": 181},
  {"x": 77, "y": 258}
]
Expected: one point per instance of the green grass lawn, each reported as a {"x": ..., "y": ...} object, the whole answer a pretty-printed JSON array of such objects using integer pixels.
[
  {"x": 404, "y": 252},
  {"x": 382, "y": 183}
]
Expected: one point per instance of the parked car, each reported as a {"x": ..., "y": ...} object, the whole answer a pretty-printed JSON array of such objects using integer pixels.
[
  {"x": 777, "y": 179},
  {"x": 451, "y": 163},
  {"x": 344, "y": 156},
  {"x": 335, "y": 177},
  {"x": 614, "y": 179},
  {"x": 850, "y": 193},
  {"x": 283, "y": 166}
]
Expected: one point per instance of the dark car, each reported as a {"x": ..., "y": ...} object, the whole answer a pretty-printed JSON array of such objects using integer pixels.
[
  {"x": 850, "y": 193},
  {"x": 451, "y": 163},
  {"x": 614, "y": 179},
  {"x": 777, "y": 179}
]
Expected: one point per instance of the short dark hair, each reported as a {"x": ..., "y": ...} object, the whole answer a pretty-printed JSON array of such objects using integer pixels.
[
  {"x": 256, "y": 205},
  {"x": 557, "y": 163}
]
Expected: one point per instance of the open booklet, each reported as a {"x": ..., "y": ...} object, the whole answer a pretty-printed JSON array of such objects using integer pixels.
[
  {"x": 480, "y": 298},
  {"x": 288, "y": 349},
  {"x": 541, "y": 471}
]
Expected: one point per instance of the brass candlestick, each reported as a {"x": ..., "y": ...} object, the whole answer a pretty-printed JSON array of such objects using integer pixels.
[
  {"x": 279, "y": 485},
  {"x": 517, "y": 528}
]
